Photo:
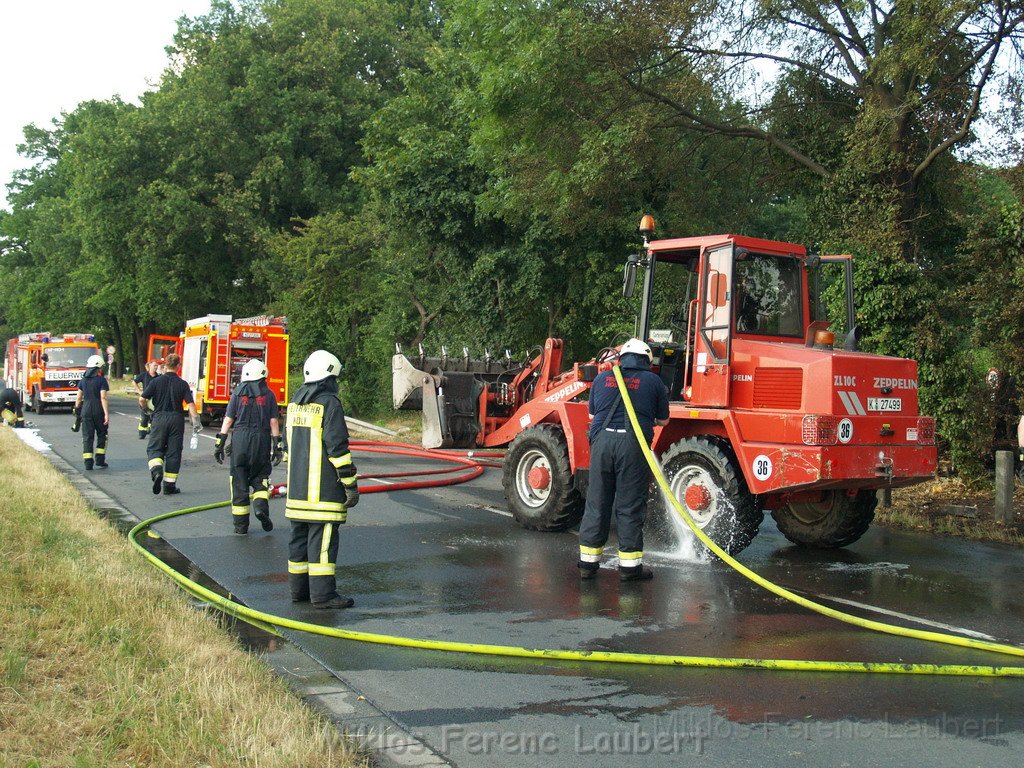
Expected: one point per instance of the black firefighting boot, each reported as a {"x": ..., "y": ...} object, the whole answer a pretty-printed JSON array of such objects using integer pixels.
[
  {"x": 241, "y": 525},
  {"x": 171, "y": 488},
  {"x": 335, "y": 602},
  {"x": 265, "y": 521},
  {"x": 588, "y": 570},
  {"x": 636, "y": 573},
  {"x": 157, "y": 475},
  {"x": 88, "y": 464}
]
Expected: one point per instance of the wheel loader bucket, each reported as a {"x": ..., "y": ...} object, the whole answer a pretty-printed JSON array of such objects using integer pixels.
[
  {"x": 447, "y": 391},
  {"x": 412, "y": 389}
]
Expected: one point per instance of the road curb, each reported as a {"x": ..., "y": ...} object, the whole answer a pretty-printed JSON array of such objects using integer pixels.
[{"x": 347, "y": 709}]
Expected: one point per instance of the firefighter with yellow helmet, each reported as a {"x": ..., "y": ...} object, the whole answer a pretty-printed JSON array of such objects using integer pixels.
[{"x": 321, "y": 483}]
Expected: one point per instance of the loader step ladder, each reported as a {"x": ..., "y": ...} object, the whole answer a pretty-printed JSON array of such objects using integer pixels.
[{"x": 222, "y": 365}]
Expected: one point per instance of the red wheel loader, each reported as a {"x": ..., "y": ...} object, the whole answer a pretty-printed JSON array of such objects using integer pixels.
[{"x": 768, "y": 411}]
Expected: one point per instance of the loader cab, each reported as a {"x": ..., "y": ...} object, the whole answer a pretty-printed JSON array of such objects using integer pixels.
[{"x": 707, "y": 299}]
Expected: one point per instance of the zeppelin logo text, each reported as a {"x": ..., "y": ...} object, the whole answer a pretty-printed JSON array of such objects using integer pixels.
[{"x": 882, "y": 381}]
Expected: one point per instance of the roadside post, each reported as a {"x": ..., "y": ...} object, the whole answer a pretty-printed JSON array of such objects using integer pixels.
[{"x": 1004, "y": 487}]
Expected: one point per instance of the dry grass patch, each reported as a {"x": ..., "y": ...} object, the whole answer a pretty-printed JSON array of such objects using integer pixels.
[
  {"x": 103, "y": 662},
  {"x": 928, "y": 507}
]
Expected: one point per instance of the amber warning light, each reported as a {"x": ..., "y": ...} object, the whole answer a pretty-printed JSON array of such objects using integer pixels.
[{"x": 647, "y": 226}]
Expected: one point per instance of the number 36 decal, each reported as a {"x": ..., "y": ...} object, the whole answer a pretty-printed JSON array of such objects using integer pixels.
[{"x": 762, "y": 467}]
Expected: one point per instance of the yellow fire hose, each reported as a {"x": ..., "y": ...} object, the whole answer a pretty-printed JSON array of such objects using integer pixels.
[{"x": 261, "y": 618}]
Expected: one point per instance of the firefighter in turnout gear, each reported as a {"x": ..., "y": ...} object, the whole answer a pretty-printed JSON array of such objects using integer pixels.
[
  {"x": 167, "y": 433},
  {"x": 145, "y": 376},
  {"x": 10, "y": 408},
  {"x": 619, "y": 474},
  {"x": 321, "y": 483},
  {"x": 91, "y": 407},
  {"x": 256, "y": 445}
]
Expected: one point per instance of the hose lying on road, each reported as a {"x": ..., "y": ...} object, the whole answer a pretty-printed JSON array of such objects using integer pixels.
[{"x": 615, "y": 657}]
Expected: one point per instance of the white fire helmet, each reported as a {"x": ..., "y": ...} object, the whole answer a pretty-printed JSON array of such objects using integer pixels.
[
  {"x": 319, "y": 366},
  {"x": 94, "y": 361},
  {"x": 638, "y": 347},
  {"x": 254, "y": 370}
]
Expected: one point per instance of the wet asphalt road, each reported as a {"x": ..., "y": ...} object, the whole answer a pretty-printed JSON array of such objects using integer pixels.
[{"x": 448, "y": 564}]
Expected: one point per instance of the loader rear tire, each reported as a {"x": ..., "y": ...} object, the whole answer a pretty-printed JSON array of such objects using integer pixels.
[
  {"x": 556, "y": 505},
  {"x": 835, "y": 521},
  {"x": 729, "y": 514}
]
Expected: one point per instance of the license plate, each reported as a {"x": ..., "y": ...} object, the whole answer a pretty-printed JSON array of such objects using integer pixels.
[{"x": 883, "y": 404}]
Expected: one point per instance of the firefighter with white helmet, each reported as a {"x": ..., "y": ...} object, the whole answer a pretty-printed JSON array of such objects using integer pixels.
[
  {"x": 321, "y": 483},
  {"x": 92, "y": 414},
  {"x": 619, "y": 474},
  {"x": 255, "y": 447}
]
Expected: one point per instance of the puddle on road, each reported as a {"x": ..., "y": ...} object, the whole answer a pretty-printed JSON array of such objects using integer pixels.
[{"x": 859, "y": 567}]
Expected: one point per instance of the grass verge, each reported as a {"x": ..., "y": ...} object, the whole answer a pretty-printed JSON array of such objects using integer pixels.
[{"x": 102, "y": 662}]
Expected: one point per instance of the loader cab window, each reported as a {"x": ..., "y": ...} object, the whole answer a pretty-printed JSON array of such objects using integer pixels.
[
  {"x": 674, "y": 288},
  {"x": 768, "y": 295},
  {"x": 831, "y": 285},
  {"x": 671, "y": 332}
]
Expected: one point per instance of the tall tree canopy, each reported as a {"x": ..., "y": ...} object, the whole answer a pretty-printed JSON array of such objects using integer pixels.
[{"x": 470, "y": 173}]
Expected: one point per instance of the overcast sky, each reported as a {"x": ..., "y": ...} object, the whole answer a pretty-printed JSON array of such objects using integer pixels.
[{"x": 57, "y": 53}]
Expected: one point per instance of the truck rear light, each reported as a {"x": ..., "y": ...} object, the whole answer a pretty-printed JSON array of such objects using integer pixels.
[
  {"x": 926, "y": 430},
  {"x": 820, "y": 430}
]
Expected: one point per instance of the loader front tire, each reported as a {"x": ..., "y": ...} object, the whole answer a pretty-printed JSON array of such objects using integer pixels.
[
  {"x": 836, "y": 520},
  {"x": 538, "y": 480},
  {"x": 719, "y": 502}
]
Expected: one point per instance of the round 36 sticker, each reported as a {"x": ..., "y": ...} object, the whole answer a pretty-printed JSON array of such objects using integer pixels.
[
  {"x": 845, "y": 431},
  {"x": 762, "y": 467}
]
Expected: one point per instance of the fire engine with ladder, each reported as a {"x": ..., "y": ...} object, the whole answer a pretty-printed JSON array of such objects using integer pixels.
[
  {"x": 45, "y": 368},
  {"x": 768, "y": 412},
  {"x": 213, "y": 350}
]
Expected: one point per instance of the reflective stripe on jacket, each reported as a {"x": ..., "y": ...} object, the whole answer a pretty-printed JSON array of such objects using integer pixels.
[{"x": 317, "y": 444}]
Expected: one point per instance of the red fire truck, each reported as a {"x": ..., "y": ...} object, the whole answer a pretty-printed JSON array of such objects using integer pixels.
[
  {"x": 213, "y": 350},
  {"x": 44, "y": 369}
]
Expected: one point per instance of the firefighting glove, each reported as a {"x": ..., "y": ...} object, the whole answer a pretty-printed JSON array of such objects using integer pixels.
[
  {"x": 197, "y": 427},
  {"x": 351, "y": 496},
  {"x": 218, "y": 447},
  {"x": 278, "y": 450},
  {"x": 78, "y": 419}
]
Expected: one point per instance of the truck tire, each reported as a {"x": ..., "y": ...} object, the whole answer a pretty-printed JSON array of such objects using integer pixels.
[
  {"x": 538, "y": 480},
  {"x": 725, "y": 509},
  {"x": 835, "y": 521},
  {"x": 37, "y": 402}
]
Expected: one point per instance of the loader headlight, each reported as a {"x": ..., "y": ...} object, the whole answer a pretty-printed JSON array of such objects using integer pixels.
[{"x": 820, "y": 429}]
